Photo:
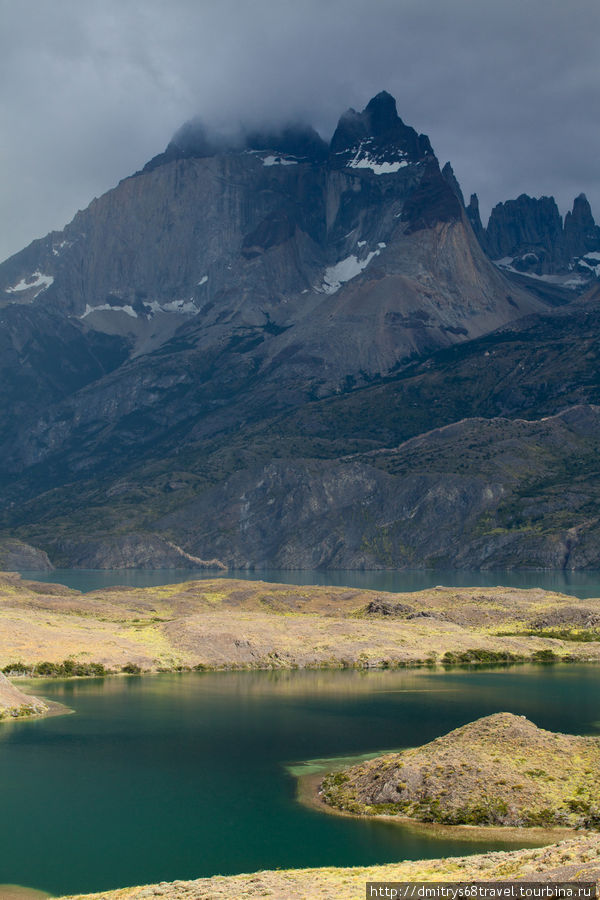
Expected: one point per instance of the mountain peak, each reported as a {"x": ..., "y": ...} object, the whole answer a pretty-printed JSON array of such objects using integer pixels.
[
  {"x": 382, "y": 113},
  {"x": 379, "y": 131}
]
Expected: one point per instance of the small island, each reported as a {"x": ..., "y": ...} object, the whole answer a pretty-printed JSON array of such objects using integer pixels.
[{"x": 501, "y": 770}]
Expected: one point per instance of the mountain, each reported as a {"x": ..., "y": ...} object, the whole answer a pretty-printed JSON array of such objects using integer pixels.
[
  {"x": 528, "y": 237},
  {"x": 178, "y": 345}
]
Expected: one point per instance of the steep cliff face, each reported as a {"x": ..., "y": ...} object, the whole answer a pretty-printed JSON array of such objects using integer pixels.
[{"x": 527, "y": 226}]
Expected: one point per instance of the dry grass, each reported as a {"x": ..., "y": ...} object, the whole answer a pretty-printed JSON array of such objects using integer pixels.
[
  {"x": 500, "y": 770},
  {"x": 220, "y": 623}
]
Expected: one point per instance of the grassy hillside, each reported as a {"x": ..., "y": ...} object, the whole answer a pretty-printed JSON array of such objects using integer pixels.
[
  {"x": 223, "y": 623},
  {"x": 499, "y": 770}
]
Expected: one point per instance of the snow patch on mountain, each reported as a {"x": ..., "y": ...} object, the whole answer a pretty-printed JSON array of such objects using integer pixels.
[
  {"x": 58, "y": 248},
  {"x": 279, "y": 161},
  {"x": 364, "y": 159},
  {"x": 345, "y": 270},
  {"x": 180, "y": 306},
  {"x": 36, "y": 280},
  {"x": 129, "y": 310},
  {"x": 590, "y": 261},
  {"x": 568, "y": 281}
]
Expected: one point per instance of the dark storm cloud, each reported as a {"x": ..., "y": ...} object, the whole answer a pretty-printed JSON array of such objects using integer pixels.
[{"x": 91, "y": 89}]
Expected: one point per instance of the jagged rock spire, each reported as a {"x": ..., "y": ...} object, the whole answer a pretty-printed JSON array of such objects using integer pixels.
[{"x": 448, "y": 173}]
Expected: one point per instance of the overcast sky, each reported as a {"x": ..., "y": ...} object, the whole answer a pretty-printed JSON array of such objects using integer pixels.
[{"x": 509, "y": 91}]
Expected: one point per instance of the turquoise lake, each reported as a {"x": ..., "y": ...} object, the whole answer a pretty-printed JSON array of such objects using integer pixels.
[{"x": 177, "y": 776}]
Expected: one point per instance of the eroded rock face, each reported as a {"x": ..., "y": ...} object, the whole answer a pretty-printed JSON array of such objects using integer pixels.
[
  {"x": 129, "y": 551},
  {"x": 451, "y": 498}
]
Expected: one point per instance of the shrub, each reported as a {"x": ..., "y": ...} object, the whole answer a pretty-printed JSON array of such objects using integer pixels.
[
  {"x": 131, "y": 668},
  {"x": 17, "y": 668}
]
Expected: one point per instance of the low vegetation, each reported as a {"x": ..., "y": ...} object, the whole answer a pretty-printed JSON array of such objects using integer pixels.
[
  {"x": 500, "y": 770},
  {"x": 47, "y": 630}
]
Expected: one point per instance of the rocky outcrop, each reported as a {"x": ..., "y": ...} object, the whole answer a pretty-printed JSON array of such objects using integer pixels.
[
  {"x": 16, "y": 555},
  {"x": 529, "y": 231},
  {"x": 581, "y": 234},
  {"x": 448, "y": 173},
  {"x": 472, "y": 211}
]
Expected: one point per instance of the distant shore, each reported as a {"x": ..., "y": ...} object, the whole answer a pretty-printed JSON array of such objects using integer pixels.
[{"x": 227, "y": 624}]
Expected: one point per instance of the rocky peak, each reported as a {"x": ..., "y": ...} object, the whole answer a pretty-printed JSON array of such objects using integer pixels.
[
  {"x": 382, "y": 114},
  {"x": 195, "y": 140},
  {"x": 581, "y": 233},
  {"x": 377, "y": 136},
  {"x": 191, "y": 140},
  {"x": 448, "y": 173},
  {"x": 433, "y": 201},
  {"x": 529, "y": 231},
  {"x": 527, "y": 236},
  {"x": 474, "y": 218}
]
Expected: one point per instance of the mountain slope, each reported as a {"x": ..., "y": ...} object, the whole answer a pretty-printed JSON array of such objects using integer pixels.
[{"x": 216, "y": 293}]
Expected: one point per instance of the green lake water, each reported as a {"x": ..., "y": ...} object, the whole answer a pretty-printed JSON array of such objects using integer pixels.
[{"x": 171, "y": 776}]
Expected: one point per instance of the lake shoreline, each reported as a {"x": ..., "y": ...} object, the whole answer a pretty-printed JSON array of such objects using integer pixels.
[
  {"x": 227, "y": 626},
  {"x": 309, "y": 795},
  {"x": 574, "y": 860}
]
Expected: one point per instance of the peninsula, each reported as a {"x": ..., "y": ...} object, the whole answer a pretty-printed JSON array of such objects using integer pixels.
[{"x": 500, "y": 770}]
